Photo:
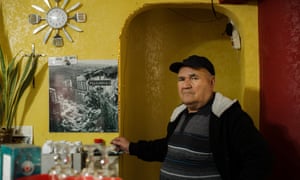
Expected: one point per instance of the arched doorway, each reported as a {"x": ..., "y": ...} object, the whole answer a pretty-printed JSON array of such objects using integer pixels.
[{"x": 154, "y": 38}]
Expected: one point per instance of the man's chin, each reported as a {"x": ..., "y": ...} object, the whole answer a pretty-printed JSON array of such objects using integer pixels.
[{"x": 188, "y": 103}]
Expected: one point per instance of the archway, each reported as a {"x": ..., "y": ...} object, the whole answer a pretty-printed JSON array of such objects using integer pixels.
[{"x": 154, "y": 38}]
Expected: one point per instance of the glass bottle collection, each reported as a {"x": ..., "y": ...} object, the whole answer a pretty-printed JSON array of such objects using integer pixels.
[{"x": 100, "y": 162}]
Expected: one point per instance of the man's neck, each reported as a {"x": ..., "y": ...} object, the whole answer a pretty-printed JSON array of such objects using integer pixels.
[{"x": 196, "y": 106}]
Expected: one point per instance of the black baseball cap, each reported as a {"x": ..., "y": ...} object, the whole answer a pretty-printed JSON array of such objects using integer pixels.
[{"x": 193, "y": 61}]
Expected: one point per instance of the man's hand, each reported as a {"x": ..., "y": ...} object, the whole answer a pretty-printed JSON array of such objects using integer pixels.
[{"x": 121, "y": 143}]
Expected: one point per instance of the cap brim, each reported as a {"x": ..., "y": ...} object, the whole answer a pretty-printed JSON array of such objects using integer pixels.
[{"x": 176, "y": 66}]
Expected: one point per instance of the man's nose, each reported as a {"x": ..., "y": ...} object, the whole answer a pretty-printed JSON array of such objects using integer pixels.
[{"x": 187, "y": 83}]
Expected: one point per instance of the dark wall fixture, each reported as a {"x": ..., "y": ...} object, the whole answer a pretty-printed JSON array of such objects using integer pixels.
[
  {"x": 229, "y": 29},
  {"x": 233, "y": 34}
]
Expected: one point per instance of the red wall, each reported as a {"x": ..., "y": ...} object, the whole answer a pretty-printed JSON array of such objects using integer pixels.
[{"x": 279, "y": 42}]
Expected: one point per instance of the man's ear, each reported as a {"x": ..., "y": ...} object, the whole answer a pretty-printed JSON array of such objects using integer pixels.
[{"x": 213, "y": 80}]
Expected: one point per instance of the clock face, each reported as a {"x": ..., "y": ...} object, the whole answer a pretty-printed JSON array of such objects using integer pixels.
[{"x": 57, "y": 18}]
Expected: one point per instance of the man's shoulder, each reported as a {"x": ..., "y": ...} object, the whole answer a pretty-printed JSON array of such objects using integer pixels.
[
  {"x": 221, "y": 104},
  {"x": 179, "y": 109}
]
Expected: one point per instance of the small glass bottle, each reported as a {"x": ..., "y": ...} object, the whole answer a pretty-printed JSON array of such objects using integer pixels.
[
  {"x": 98, "y": 152},
  {"x": 47, "y": 147}
]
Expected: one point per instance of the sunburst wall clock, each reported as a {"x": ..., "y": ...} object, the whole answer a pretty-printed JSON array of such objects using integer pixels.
[{"x": 56, "y": 19}]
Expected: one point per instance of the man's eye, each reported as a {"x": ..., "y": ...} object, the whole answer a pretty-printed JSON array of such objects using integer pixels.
[
  {"x": 194, "y": 78},
  {"x": 180, "y": 79}
]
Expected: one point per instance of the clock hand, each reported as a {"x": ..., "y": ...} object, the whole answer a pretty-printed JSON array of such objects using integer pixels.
[
  {"x": 67, "y": 35},
  {"x": 38, "y": 29},
  {"x": 38, "y": 8},
  {"x": 73, "y": 7}
]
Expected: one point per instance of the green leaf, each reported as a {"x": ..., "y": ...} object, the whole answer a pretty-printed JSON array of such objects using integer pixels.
[{"x": 15, "y": 78}]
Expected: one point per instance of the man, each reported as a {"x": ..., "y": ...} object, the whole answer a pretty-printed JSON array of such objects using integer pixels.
[{"x": 209, "y": 136}]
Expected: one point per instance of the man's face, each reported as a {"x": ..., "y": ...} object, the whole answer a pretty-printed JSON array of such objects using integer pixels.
[{"x": 195, "y": 87}]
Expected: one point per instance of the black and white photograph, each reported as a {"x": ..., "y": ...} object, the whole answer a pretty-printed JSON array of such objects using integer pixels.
[{"x": 83, "y": 97}]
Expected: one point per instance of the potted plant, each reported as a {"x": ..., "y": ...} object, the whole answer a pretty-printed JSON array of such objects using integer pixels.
[{"x": 15, "y": 77}]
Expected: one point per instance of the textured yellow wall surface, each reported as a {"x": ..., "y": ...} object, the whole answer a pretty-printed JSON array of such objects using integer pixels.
[{"x": 145, "y": 36}]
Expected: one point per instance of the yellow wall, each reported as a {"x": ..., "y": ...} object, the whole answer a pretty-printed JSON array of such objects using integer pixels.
[
  {"x": 146, "y": 36},
  {"x": 100, "y": 40}
]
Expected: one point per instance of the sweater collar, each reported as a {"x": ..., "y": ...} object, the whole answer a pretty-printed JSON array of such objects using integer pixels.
[{"x": 219, "y": 104}]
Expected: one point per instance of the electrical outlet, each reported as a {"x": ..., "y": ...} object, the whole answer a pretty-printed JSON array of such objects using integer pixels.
[{"x": 23, "y": 134}]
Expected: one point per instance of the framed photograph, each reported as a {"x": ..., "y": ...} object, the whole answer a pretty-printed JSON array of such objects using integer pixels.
[{"x": 83, "y": 96}]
